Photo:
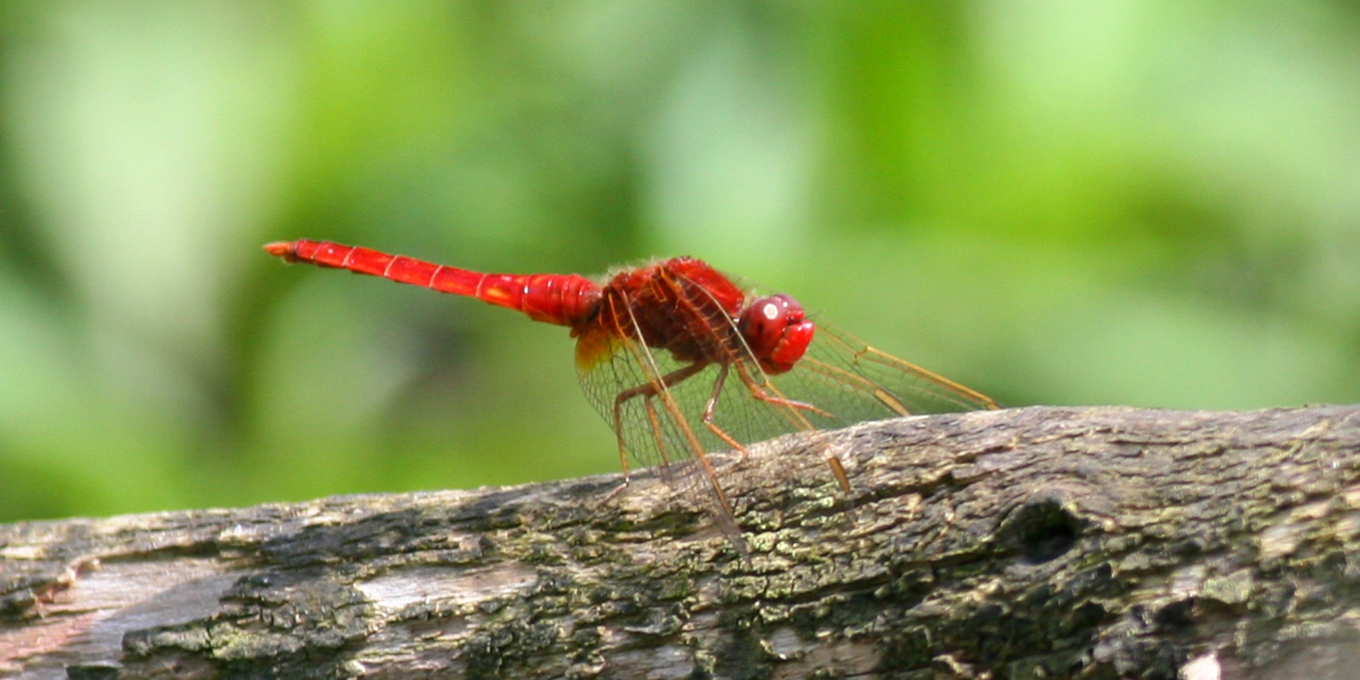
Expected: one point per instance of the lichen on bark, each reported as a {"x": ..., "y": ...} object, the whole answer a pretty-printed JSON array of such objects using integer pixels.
[{"x": 1027, "y": 543}]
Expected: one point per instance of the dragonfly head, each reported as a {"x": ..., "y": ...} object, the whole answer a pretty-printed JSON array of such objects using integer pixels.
[{"x": 777, "y": 331}]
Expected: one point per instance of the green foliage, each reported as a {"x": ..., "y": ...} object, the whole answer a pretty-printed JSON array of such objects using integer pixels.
[{"x": 1138, "y": 202}]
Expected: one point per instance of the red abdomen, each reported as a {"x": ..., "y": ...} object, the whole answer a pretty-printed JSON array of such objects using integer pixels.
[{"x": 565, "y": 300}]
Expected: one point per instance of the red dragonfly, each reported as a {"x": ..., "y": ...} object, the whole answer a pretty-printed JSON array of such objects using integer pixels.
[{"x": 682, "y": 361}]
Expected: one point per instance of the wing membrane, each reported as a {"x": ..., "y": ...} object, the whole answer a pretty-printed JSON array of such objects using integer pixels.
[{"x": 670, "y": 413}]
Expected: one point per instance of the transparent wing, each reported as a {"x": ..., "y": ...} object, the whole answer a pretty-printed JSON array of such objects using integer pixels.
[
  {"x": 850, "y": 382},
  {"x": 657, "y": 407},
  {"x": 668, "y": 414}
]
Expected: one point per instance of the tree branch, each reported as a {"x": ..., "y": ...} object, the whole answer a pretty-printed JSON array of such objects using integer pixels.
[{"x": 1026, "y": 543}]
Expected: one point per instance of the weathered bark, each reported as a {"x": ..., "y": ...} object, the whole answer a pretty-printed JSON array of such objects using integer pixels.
[{"x": 1037, "y": 542}]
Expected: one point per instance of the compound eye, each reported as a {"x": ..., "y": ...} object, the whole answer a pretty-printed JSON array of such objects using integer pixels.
[
  {"x": 763, "y": 323},
  {"x": 775, "y": 330}
]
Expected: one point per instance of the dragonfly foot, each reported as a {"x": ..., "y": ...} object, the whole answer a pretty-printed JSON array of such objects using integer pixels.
[{"x": 610, "y": 496}]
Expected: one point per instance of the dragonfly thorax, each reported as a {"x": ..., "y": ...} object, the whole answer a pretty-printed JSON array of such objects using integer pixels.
[{"x": 679, "y": 305}]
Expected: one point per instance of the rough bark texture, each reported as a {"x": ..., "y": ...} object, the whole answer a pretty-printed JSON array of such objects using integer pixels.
[{"x": 1027, "y": 543}]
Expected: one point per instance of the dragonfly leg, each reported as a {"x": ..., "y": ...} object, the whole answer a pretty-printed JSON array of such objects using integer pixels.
[
  {"x": 647, "y": 391},
  {"x": 657, "y": 388},
  {"x": 610, "y": 496},
  {"x": 623, "y": 450},
  {"x": 832, "y": 460},
  {"x": 707, "y": 417},
  {"x": 655, "y": 422},
  {"x": 759, "y": 392}
]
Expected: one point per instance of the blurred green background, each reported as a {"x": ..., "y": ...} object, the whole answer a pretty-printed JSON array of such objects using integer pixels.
[{"x": 1062, "y": 202}]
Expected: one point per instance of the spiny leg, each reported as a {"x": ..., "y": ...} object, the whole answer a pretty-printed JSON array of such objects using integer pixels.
[
  {"x": 661, "y": 389},
  {"x": 711, "y": 405},
  {"x": 647, "y": 391},
  {"x": 655, "y": 422},
  {"x": 832, "y": 460},
  {"x": 759, "y": 392},
  {"x": 707, "y": 417}
]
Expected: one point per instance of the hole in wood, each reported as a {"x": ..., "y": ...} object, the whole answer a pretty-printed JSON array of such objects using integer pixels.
[{"x": 1042, "y": 530}]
